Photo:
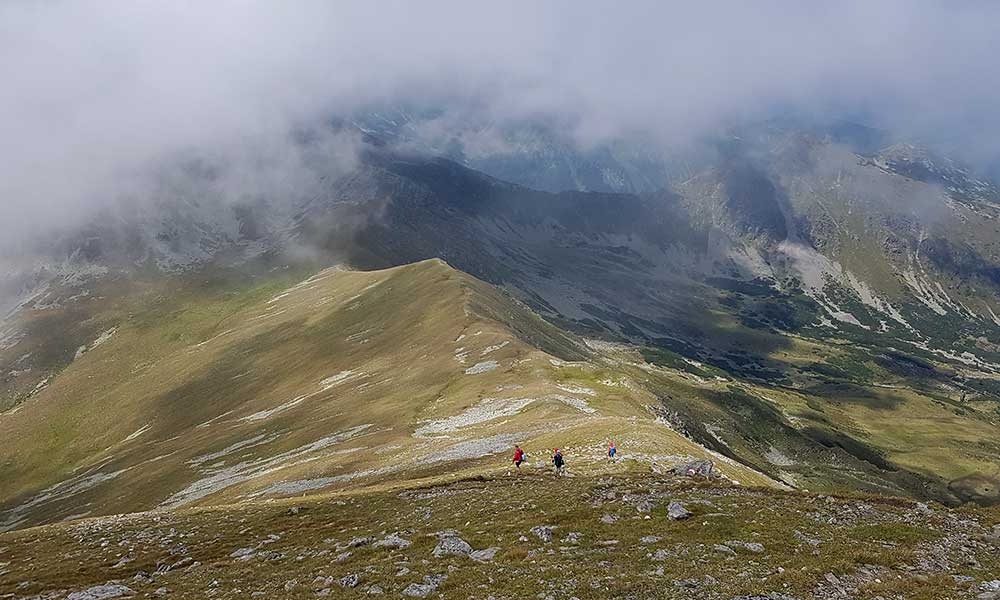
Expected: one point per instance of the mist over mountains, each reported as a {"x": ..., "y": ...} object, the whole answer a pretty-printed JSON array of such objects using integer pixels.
[{"x": 104, "y": 97}]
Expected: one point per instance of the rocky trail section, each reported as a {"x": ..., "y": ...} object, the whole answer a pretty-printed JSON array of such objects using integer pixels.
[{"x": 630, "y": 535}]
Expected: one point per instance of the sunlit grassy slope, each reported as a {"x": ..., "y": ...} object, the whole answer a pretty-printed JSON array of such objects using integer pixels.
[
  {"x": 861, "y": 428},
  {"x": 205, "y": 393}
]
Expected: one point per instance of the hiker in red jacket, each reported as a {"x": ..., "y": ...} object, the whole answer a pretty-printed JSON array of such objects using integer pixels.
[{"x": 519, "y": 456}]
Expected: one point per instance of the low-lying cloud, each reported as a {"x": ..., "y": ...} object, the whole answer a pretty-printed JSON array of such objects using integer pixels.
[{"x": 93, "y": 96}]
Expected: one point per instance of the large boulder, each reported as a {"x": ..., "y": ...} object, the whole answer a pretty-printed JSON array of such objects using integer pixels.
[
  {"x": 677, "y": 511},
  {"x": 695, "y": 468},
  {"x": 449, "y": 544}
]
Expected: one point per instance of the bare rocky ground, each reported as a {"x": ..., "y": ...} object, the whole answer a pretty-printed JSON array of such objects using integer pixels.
[{"x": 631, "y": 534}]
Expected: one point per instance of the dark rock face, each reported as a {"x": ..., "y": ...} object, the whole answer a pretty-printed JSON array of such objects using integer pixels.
[
  {"x": 961, "y": 260},
  {"x": 754, "y": 198}
]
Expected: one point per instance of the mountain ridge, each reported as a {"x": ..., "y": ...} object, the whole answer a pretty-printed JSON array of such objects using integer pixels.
[
  {"x": 765, "y": 305},
  {"x": 345, "y": 378}
]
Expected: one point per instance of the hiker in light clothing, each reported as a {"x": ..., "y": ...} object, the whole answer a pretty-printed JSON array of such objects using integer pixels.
[{"x": 557, "y": 461}]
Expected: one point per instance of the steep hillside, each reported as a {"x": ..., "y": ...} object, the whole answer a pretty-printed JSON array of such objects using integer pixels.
[
  {"x": 204, "y": 392},
  {"x": 865, "y": 230}
]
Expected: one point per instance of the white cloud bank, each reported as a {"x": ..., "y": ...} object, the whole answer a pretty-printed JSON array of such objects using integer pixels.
[{"x": 92, "y": 93}]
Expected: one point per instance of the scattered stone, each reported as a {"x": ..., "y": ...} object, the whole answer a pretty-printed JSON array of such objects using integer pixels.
[
  {"x": 452, "y": 545},
  {"x": 428, "y": 587},
  {"x": 481, "y": 367},
  {"x": 294, "y": 510},
  {"x": 543, "y": 532},
  {"x": 990, "y": 590},
  {"x": 184, "y": 562},
  {"x": 243, "y": 553},
  {"x": 374, "y": 590},
  {"x": 484, "y": 555},
  {"x": 724, "y": 549},
  {"x": 806, "y": 539},
  {"x": 645, "y": 505},
  {"x": 393, "y": 540},
  {"x": 350, "y": 581},
  {"x": 142, "y": 577},
  {"x": 572, "y": 537},
  {"x": 676, "y": 510},
  {"x": 356, "y": 542},
  {"x": 609, "y": 519},
  {"x": 445, "y": 533},
  {"x": 99, "y": 592},
  {"x": 754, "y": 547}
]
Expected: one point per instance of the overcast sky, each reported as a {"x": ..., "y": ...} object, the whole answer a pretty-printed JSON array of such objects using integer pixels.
[{"x": 92, "y": 93}]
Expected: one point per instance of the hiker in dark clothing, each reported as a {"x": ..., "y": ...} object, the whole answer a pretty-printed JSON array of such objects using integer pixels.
[
  {"x": 557, "y": 461},
  {"x": 519, "y": 456}
]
